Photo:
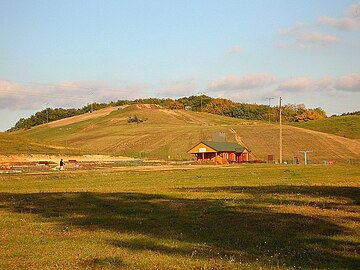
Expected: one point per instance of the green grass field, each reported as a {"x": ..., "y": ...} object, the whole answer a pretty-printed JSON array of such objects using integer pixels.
[
  {"x": 14, "y": 144},
  {"x": 235, "y": 217},
  {"x": 344, "y": 126}
]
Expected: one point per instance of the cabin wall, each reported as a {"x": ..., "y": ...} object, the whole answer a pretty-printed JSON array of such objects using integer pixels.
[
  {"x": 205, "y": 153},
  {"x": 202, "y": 148}
]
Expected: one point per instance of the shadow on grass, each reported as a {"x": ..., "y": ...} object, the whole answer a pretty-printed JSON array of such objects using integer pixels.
[
  {"x": 249, "y": 232},
  {"x": 350, "y": 194}
]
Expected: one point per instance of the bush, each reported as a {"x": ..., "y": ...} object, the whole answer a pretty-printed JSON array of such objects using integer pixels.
[{"x": 135, "y": 119}]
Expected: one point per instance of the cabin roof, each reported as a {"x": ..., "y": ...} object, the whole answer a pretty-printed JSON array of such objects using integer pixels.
[{"x": 225, "y": 146}]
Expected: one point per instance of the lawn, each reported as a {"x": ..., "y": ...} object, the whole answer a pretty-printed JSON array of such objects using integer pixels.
[{"x": 235, "y": 217}]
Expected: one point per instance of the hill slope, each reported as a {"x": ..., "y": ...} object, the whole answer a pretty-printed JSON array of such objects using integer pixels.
[
  {"x": 345, "y": 126},
  {"x": 170, "y": 133},
  {"x": 14, "y": 144}
]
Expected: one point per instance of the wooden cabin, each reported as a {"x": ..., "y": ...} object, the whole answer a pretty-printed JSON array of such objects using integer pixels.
[{"x": 220, "y": 152}]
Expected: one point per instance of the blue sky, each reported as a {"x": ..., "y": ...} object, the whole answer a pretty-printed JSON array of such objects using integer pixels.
[{"x": 70, "y": 53}]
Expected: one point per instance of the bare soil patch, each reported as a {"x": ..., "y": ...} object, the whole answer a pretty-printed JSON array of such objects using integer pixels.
[{"x": 148, "y": 106}]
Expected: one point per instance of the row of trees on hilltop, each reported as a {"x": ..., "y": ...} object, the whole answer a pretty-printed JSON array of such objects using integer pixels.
[
  {"x": 290, "y": 112},
  {"x": 351, "y": 113},
  {"x": 226, "y": 107},
  {"x": 219, "y": 106},
  {"x": 50, "y": 114}
]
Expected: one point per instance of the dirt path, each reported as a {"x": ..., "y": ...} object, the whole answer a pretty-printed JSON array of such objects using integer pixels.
[
  {"x": 54, "y": 158},
  {"x": 240, "y": 141},
  {"x": 82, "y": 117}
]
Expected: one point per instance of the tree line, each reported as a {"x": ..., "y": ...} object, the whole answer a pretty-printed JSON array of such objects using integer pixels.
[
  {"x": 50, "y": 114},
  {"x": 351, "y": 113},
  {"x": 201, "y": 103}
]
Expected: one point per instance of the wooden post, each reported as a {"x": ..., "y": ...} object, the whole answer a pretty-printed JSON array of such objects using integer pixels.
[{"x": 281, "y": 146}]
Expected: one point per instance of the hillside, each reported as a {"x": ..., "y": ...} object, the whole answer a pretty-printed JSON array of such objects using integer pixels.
[
  {"x": 14, "y": 144},
  {"x": 345, "y": 126},
  {"x": 170, "y": 133}
]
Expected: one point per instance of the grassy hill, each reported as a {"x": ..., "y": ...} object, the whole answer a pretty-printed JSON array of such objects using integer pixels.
[
  {"x": 14, "y": 144},
  {"x": 170, "y": 133},
  {"x": 345, "y": 126}
]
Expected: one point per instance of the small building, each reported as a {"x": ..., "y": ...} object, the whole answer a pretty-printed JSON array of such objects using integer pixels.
[{"x": 220, "y": 152}]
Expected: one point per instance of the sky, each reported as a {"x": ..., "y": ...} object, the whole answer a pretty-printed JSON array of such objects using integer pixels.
[{"x": 70, "y": 53}]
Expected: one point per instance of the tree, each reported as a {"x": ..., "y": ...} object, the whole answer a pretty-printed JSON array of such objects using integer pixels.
[
  {"x": 308, "y": 116},
  {"x": 351, "y": 113},
  {"x": 175, "y": 105},
  {"x": 195, "y": 102},
  {"x": 321, "y": 111},
  {"x": 220, "y": 106}
]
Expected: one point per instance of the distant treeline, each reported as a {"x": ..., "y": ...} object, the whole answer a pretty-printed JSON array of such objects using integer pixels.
[
  {"x": 351, "y": 113},
  {"x": 49, "y": 115},
  {"x": 219, "y": 106},
  {"x": 226, "y": 107}
]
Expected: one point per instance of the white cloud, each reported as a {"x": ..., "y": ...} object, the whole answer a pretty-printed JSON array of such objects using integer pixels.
[
  {"x": 65, "y": 94},
  {"x": 234, "y": 50},
  {"x": 292, "y": 30},
  {"x": 9, "y": 90},
  {"x": 243, "y": 95},
  {"x": 303, "y": 40},
  {"x": 339, "y": 23},
  {"x": 348, "y": 83},
  {"x": 179, "y": 88},
  {"x": 245, "y": 82},
  {"x": 308, "y": 35},
  {"x": 353, "y": 11},
  {"x": 333, "y": 85},
  {"x": 245, "y": 89},
  {"x": 316, "y": 39},
  {"x": 297, "y": 84},
  {"x": 15, "y": 96},
  {"x": 68, "y": 94}
]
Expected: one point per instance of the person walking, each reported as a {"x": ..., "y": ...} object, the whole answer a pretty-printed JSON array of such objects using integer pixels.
[{"x": 62, "y": 164}]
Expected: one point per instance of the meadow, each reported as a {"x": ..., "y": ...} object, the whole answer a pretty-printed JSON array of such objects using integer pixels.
[
  {"x": 345, "y": 126},
  {"x": 223, "y": 217}
]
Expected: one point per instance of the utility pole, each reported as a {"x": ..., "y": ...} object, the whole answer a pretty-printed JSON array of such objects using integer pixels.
[
  {"x": 281, "y": 146},
  {"x": 47, "y": 112},
  {"x": 92, "y": 101},
  {"x": 305, "y": 155},
  {"x": 201, "y": 94},
  {"x": 269, "y": 98}
]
